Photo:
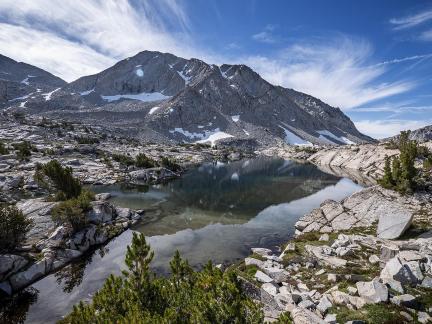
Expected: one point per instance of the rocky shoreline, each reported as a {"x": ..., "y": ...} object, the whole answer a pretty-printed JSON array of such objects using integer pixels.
[
  {"x": 365, "y": 259},
  {"x": 43, "y": 255},
  {"x": 373, "y": 248},
  {"x": 91, "y": 154}
]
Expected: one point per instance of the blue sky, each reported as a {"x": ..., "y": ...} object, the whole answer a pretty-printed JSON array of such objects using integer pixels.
[{"x": 373, "y": 59}]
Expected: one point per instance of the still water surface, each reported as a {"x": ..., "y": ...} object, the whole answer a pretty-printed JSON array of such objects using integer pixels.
[{"x": 214, "y": 212}]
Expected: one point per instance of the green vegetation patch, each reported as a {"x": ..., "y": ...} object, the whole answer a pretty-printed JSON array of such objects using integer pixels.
[
  {"x": 400, "y": 173},
  {"x": 186, "y": 296},
  {"x": 371, "y": 314},
  {"x": 143, "y": 161},
  {"x": 3, "y": 148},
  {"x": 72, "y": 212},
  {"x": 13, "y": 227},
  {"x": 52, "y": 174},
  {"x": 24, "y": 150}
]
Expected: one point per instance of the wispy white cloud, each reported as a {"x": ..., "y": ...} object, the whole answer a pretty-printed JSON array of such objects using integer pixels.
[
  {"x": 395, "y": 108},
  {"x": 426, "y": 35},
  {"x": 389, "y": 127},
  {"x": 406, "y": 59},
  {"x": 50, "y": 52},
  {"x": 411, "y": 20},
  {"x": 81, "y": 37},
  {"x": 97, "y": 32},
  {"x": 336, "y": 71},
  {"x": 266, "y": 36}
]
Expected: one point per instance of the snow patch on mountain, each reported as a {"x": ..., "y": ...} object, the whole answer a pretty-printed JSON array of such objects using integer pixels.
[
  {"x": 293, "y": 139},
  {"x": 21, "y": 98},
  {"x": 86, "y": 93},
  {"x": 208, "y": 136},
  {"x": 325, "y": 134},
  {"x": 26, "y": 80},
  {"x": 139, "y": 72},
  {"x": 48, "y": 95},
  {"x": 215, "y": 137},
  {"x": 235, "y": 118},
  {"x": 346, "y": 140},
  {"x": 184, "y": 76},
  {"x": 153, "y": 110}
]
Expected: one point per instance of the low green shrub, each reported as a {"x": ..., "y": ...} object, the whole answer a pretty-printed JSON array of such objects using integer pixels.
[
  {"x": 60, "y": 177},
  {"x": 170, "y": 164},
  {"x": 427, "y": 164},
  {"x": 143, "y": 161},
  {"x": 3, "y": 149},
  {"x": 24, "y": 150},
  {"x": 86, "y": 140},
  {"x": 13, "y": 227},
  {"x": 123, "y": 159},
  {"x": 72, "y": 212}
]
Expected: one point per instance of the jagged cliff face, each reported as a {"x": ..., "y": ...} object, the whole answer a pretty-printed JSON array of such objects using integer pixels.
[
  {"x": 19, "y": 80},
  {"x": 161, "y": 97}
]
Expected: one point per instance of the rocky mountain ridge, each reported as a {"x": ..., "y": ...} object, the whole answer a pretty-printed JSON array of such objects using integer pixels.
[{"x": 164, "y": 98}]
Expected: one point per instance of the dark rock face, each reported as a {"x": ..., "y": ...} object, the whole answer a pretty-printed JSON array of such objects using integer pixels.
[
  {"x": 160, "y": 97},
  {"x": 27, "y": 74},
  {"x": 18, "y": 81}
]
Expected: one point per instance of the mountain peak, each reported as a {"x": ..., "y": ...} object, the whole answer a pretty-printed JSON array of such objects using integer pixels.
[{"x": 189, "y": 100}]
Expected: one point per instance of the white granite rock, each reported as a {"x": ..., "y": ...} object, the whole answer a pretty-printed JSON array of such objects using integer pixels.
[{"x": 372, "y": 291}]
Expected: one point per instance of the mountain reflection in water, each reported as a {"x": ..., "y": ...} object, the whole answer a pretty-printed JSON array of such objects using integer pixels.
[{"x": 214, "y": 212}]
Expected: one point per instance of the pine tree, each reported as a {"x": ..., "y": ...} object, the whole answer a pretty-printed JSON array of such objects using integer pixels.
[
  {"x": 408, "y": 170},
  {"x": 209, "y": 296},
  {"x": 387, "y": 180},
  {"x": 401, "y": 175},
  {"x": 396, "y": 170}
]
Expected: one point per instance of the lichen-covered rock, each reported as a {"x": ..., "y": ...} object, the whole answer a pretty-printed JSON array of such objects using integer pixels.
[
  {"x": 373, "y": 291},
  {"x": 395, "y": 270},
  {"x": 304, "y": 316}
]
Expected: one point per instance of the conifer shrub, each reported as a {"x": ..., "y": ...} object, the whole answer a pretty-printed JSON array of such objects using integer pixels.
[
  {"x": 86, "y": 140},
  {"x": 143, "y": 161},
  {"x": 72, "y": 212},
  {"x": 24, "y": 150},
  {"x": 13, "y": 227},
  {"x": 400, "y": 172},
  {"x": 123, "y": 159},
  {"x": 52, "y": 174},
  {"x": 186, "y": 296},
  {"x": 170, "y": 164},
  {"x": 3, "y": 149}
]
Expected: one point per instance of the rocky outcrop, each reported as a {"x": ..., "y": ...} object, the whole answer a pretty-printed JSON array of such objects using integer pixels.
[
  {"x": 61, "y": 245},
  {"x": 152, "y": 175},
  {"x": 391, "y": 211},
  {"x": 39, "y": 212},
  {"x": 367, "y": 159},
  {"x": 420, "y": 135},
  {"x": 308, "y": 298}
]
